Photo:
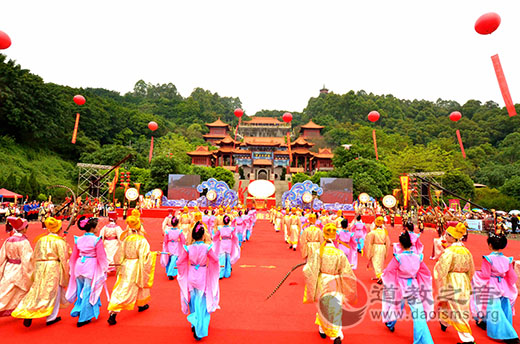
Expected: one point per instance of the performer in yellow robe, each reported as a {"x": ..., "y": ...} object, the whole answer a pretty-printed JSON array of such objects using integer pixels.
[
  {"x": 377, "y": 245},
  {"x": 278, "y": 216},
  {"x": 294, "y": 227},
  {"x": 453, "y": 273},
  {"x": 330, "y": 281},
  {"x": 51, "y": 276},
  {"x": 16, "y": 268},
  {"x": 136, "y": 272},
  {"x": 185, "y": 222},
  {"x": 311, "y": 238}
]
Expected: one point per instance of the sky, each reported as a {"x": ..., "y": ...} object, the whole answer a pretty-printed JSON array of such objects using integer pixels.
[{"x": 271, "y": 54}]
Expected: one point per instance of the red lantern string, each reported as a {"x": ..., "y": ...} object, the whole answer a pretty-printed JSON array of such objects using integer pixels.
[{"x": 373, "y": 116}]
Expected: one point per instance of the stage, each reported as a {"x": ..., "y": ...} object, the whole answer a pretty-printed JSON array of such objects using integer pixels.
[{"x": 245, "y": 316}]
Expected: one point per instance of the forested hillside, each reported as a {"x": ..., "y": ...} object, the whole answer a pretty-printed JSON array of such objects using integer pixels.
[{"x": 38, "y": 118}]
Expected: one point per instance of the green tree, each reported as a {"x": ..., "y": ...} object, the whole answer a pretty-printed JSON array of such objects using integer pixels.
[
  {"x": 160, "y": 168},
  {"x": 459, "y": 183},
  {"x": 512, "y": 187},
  {"x": 299, "y": 178},
  {"x": 491, "y": 198}
]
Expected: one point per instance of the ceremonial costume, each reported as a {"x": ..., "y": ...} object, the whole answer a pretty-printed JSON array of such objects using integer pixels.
[
  {"x": 329, "y": 280},
  {"x": 51, "y": 276},
  {"x": 227, "y": 247},
  {"x": 407, "y": 279},
  {"x": 293, "y": 225},
  {"x": 198, "y": 281},
  {"x": 16, "y": 268},
  {"x": 311, "y": 239},
  {"x": 360, "y": 232},
  {"x": 494, "y": 295},
  {"x": 377, "y": 246},
  {"x": 111, "y": 236},
  {"x": 136, "y": 272},
  {"x": 346, "y": 242},
  {"x": 88, "y": 274},
  {"x": 240, "y": 227},
  {"x": 453, "y": 272},
  {"x": 278, "y": 221},
  {"x": 172, "y": 245}
]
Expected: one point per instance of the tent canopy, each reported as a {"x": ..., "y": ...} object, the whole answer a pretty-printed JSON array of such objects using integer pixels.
[{"x": 9, "y": 194}]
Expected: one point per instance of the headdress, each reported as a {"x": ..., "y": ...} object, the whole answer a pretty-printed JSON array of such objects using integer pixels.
[
  {"x": 52, "y": 225},
  {"x": 17, "y": 223},
  {"x": 458, "y": 231},
  {"x": 133, "y": 222}
]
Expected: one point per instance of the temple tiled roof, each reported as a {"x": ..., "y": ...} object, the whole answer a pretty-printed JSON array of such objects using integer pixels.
[
  {"x": 201, "y": 151},
  {"x": 264, "y": 141},
  {"x": 312, "y": 125},
  {"x": 324, "y": 153},
  {"x": 300, "y": 141},
  {"x": 263, "y": 120},
  {"x": 217, "y": 123}
]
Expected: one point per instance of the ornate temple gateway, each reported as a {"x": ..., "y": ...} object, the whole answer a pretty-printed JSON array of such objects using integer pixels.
[{"x": 261, "y": 149}]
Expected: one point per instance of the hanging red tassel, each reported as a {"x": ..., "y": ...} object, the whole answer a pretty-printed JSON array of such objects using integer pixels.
[
  {"x": 375, "y": 143},
  {"x": 503, "y": 85},
  {"x": 461, "y": 145},
  {"x": 75, "y": 132},
  {"x": 151, "y": 151}
]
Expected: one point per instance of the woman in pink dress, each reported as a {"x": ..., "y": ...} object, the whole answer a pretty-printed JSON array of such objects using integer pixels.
[
  {"x": 172, "y": 246},
  {"x": 417, "y": 246},
  {"x": 346, "y": 242},
  {"x": 88, "y": 272},
  {"x": 226, "y": 247},
  {"x": 111, "y": 236},
  {"x": 240, "y": 226},
  {"x": 16, "y": 268},
  {"x": 198, "y": 268},
  {"x": 495, "y": 292}
]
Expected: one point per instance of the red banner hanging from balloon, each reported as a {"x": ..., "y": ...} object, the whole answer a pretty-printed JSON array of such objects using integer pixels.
[
  {"x": 151, "y": 151},
  {"x": 461, "y": 145},
  {"x": 375, "y": 143},
  {"x": 236, "y": 131},
  {"x": 75, "y": 132},
  {"x": 502, "y": 83}
]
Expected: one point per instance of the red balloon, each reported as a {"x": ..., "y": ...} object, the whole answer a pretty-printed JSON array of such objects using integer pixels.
[
  {"x": 487, "y": 23},
  {"x": 79, "y": 99},
  {"x": 153, "y": 126},
  {"x": 5, "y": 41},
  {"x": 373, "y": 116},
  {"x": 287, "y": 117},
  {"x": 239, "y": 112},
  {"x": 455, "y": 116}
]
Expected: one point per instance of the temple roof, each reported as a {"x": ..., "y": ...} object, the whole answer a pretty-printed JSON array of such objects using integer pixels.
[
  {"x": 217, "y": 123},
  {"x": 201, "y": 151},
  {"x": 324, "y": 153},
  {"x": 300, "y": 150},
  {"x": 300, "y": 141},
  {"x": 263, "y": 120},
  {"x": 263, "y": 162},
  {"x": 264, "y": 141},
  {"x": 226, "y": 140},
  {"x": 242, "y": 151},
  {"x": 214, "y": 136},
  {"x": 280, "y": 152},
  {"x": 312, "y": 125}
]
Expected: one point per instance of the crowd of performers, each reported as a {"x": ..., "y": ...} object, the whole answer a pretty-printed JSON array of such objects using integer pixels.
[
  {"x": 331, "y": 246},
  {"x": 198, "y": 249}
]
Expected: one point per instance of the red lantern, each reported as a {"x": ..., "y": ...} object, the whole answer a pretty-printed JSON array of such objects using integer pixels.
[
  {"x": 79, "y": 99},
  {"x": 373, "y": 116},
  {"x": 153, "y": 126},
  {"x": 5, "y": 41},
  {"x": 455, "y": 116},
  {"x": 487, "y": 23},
  {"x": 239, "y": 112},
  {"x": 287, "y": 117}
]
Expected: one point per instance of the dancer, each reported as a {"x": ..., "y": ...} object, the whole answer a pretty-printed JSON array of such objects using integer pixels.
[
  {"x": 227, "y": 247},
  {"x": 377, "y": 246},
  {"x": 172, "y": 245},
  {"x": 346, "y": 242},
  {"x": 330, "y": 281},
  {"x": 198, "y": 280},
  {"x": 166, "y": 220},
  {"x": 51, "y": 276},
  {"x": 417, "y": 246},
  {"x": 495, "y": 292},
  {"x": 111, "y": 236},
  {"x": 136, "y": 272},
  {"x": 16, "y": 267},
  {"x": 453, "y": 272},
  {"x": 88, "y": 272},
  {"x": 278, "y": 220},
  {"x": 408, "y": 279},
  {"x": 360, "y": 232},
  {"x": 311, "y": 238},
  {"x": 185, "y": 222},
  {"x": 240, "y": 227}
]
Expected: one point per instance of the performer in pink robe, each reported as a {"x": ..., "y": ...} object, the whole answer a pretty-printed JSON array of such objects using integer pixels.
[
  {"x": 88, "y": 272},
  {"x": 172, "y": 246},
  {"x": 346, "y": 242},
  {"x": 495, "y": 292},
  {"x": 417, "y": 246},
  {"x": 407, "y": 279},
  {"x": 226, "y": 246},
  {"x": 240, "y": 226},
  {"x": 198, "y": 279},
  {"x": 111, "y": 236},
  {"x": 360, "y": 232},
  {"x": 16, "y": 268}
]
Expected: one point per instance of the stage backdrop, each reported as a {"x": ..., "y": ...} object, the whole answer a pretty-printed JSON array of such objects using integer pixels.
[
  {"x": 183, "y": 186},
  {"x": 336, "y": 190}
]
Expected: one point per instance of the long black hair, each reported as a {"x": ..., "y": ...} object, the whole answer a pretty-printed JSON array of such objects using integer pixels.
[{"x": 87, "y": 224}]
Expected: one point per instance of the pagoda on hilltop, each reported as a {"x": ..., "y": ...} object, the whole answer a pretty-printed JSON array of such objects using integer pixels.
[
  {"x": 217, "y": 131},
  {"x": 262, "y": 150}
]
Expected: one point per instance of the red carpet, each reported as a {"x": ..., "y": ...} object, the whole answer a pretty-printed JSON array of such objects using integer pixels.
[{"x": 245, "y": 316}]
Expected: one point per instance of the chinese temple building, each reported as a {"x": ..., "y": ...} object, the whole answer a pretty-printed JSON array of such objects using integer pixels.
[{"x": 262, "y": 151}]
